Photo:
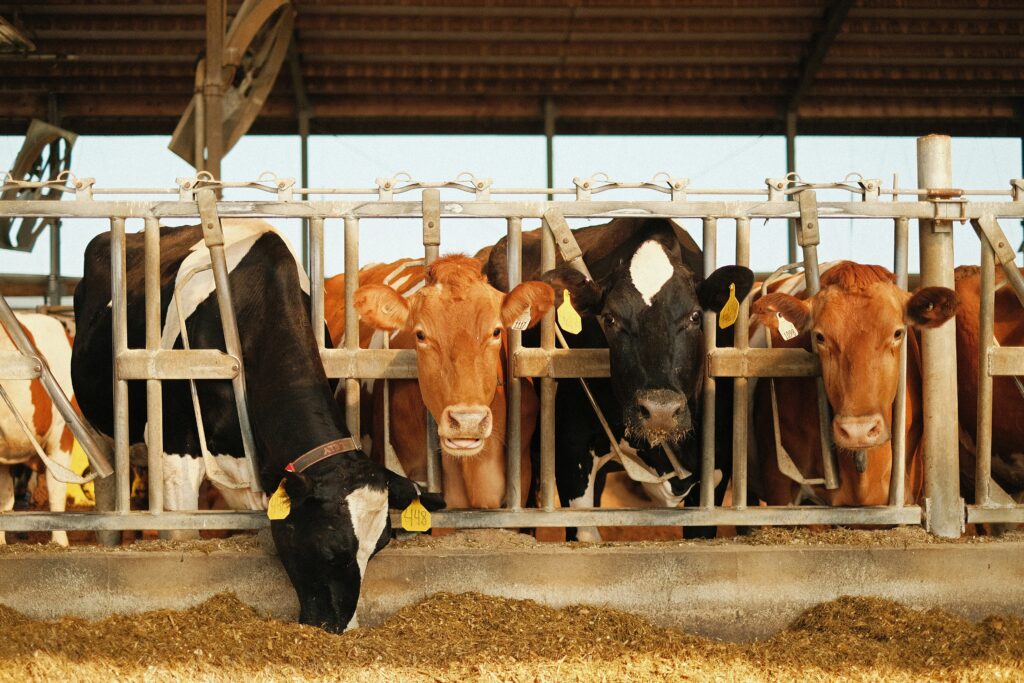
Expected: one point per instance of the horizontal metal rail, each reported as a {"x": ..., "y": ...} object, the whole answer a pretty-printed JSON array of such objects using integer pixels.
[{"x": 480, "y": 519}]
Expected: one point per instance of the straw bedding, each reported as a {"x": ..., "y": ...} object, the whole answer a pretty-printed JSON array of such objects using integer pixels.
[{"x": 482, "y": 638}]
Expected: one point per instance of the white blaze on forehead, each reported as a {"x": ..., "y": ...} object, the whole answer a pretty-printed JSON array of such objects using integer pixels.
[{"x": 650, "y": 269}]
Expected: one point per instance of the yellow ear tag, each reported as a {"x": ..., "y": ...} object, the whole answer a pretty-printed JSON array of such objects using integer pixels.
[
  {"x": 730, "y": 310},
  {"x": 568, "y": 319},
  {"x": 280, "y": 504},
  {"x": 416, "y": 517}
]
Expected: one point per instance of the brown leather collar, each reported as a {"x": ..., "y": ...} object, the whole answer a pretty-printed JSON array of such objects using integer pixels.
[{"x": 322, "y": 452}]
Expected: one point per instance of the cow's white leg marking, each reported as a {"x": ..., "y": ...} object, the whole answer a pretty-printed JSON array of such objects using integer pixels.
[
  {"x": 650, "y": 269},
  {"x": 6, "y": 495},
  {"x": 587, "y": 534},
  {"x": 368, "y": 509},
  {"x": 183, "y": 474},
  {"x": 237, "y": 470}
]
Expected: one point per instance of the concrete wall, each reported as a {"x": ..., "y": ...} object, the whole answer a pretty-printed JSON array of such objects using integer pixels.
[{"x": 733, "y": 591}]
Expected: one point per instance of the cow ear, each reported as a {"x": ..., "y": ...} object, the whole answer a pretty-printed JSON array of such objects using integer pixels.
[
  {"x": 931, "y": 306},
  {"x": 713, "y": 292},
  {"x": 298, "y": 487},
  {"x": 537, "y": 296},
  {"x": 587, "y": 296},
  {"x": 382, "y": 307},
  {"x": 792, "y": 309}
]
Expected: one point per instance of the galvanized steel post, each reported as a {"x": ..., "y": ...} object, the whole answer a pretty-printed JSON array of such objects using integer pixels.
[
  {"x": 944, "y": 508},
  {"x": 707, "y": 462},
  {"x": 986, "y": 325},
  {"x": 154, "y": 390},
  {"x": 898, "y": 477},
  {"x": 547, "y": 384},
  {"x": 431, "y": 210},
  {"x": 740, "y": 402},
  {"x": 514, "y": 393},
  {"x": 213, "y": 86},
  {"x": 316, "y": 281},
  {"x": 119, "y": 320},
  {"x": 351, "y": 320}
]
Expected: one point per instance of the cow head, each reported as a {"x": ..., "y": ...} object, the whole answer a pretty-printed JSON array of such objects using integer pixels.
[
  {"x": 651, "y": 310},
  {"x": 858, "y": 322},
  {"x": 458, "y": 322}
]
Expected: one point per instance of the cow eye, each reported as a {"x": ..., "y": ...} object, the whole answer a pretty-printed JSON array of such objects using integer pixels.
[
  {"x": 695, "y": 317},
  {"x": 496, "y": 333},
  {"x": 420, "y": 335},
  {"x": 819, "y": 337},
  {"x": 898, "y": 334},
  {"x": 609, "y": 320}
]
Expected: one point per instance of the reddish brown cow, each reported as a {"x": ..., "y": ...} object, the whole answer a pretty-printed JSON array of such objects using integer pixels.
[
  {"x": 457, "y": 323},
  {"x": 858, "y": 321},
  {"x": 1007, "y": 401}
]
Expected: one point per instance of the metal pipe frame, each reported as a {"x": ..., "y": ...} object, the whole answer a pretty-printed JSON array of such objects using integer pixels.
[
  {"x": 898, "y": 476},
  {"x": 154, "y": 387},
  {"x": 986, "y": 326},
  {"x": 431, "y": 213},
  {"x": 548, "y": 363},
  {"x": 740, "y": 403},
  {"x": 119, "y": 320},
  {"x": 709, "y": 246},
  {"x": 514, "y": 387},
  {"x": 351, "y": 321}
]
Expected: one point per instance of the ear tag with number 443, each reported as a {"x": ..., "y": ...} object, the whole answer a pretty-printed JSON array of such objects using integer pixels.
[
  {"x": 787, "y": 330},
  {"x": 730, "y": 310}
]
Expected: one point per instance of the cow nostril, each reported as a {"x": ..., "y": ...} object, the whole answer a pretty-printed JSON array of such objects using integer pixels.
[
  {"x": 678, "y": 411},
  {"x": 645, "y": 414}
]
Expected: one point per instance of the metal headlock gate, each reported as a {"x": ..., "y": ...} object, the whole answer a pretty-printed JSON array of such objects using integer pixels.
[{"x": 935, "y": 208}]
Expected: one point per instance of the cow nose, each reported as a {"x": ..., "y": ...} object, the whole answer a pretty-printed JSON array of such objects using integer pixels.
[
  {"x": 468, "y": 421},
  {"x": 660, "y": 415},
  {"x": 859, "y": 432}
]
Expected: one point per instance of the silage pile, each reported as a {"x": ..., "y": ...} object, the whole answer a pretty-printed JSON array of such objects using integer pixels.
[{"x": 477, "y": 637}]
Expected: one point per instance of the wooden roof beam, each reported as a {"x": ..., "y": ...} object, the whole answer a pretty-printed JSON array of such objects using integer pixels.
[{"x": 835, "y": 15}]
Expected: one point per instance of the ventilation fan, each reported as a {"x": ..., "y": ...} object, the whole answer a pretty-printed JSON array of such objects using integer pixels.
[
  {"x": 45, "y": 154},
  {"x": 254, "y": 50}
]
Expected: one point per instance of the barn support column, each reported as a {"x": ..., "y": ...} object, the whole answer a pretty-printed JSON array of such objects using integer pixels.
[
  {"x": 304, "y": 113},
  {"x": 549, "y": 137},
  {"x": 791, "y": 168},
  {"x": 53, "y": 286},
  {"x": 944, "y": 509},
  {"x": 213, "y": 87}
]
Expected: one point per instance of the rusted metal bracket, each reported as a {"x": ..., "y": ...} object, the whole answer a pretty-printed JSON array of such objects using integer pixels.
[
  {"x": 808, "y": 235},
  {"x": 431, "y": 218},
  {"x": 566, "y": 241}
]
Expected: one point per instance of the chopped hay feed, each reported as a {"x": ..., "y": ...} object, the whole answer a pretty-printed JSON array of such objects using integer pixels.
[{"x": 477, "y": 637}]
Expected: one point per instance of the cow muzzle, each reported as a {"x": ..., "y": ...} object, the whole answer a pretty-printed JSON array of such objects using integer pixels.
[
  {"x": 659, "y": 415},
  {"x": 860, "y": 432},
  {"x": 463, "y": 429}
]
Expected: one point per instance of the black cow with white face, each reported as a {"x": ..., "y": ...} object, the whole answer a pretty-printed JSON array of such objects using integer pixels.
[
  {"x": 645, "y": 304},
  {"x": 339, "y": 498}
]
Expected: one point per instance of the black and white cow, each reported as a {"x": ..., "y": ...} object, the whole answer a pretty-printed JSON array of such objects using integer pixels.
[
  {"x": 339, "y": 498},
  {"x": 649, "y": 295}
]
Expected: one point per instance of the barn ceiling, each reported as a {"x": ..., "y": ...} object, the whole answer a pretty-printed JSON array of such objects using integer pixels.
[{"x": 607, "y": 66}]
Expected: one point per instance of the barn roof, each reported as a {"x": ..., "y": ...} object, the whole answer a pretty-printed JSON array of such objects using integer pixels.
[{"x": 607, "y": 66}]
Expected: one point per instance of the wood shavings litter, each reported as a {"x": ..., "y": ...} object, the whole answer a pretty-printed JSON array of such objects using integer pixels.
[{"x": 473, "y": 637}]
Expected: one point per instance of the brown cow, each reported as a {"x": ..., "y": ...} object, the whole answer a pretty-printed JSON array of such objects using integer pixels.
[
  {"x": 1007, "y": 401},
  {"x": 858, "y": 320},
  {"x": 457, "y": 323}
]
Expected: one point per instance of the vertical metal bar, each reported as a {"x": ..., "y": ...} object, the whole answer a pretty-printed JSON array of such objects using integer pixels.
[
  {"x": 351, "y": 320},
  {"x": 898, "y": 475},
  {"x": 740, "y": 404},
  {"x": 514, "y": 394},
  {"x": 431, "y": 210},
  {"x": 119, "y": 319},
  {"x": 830, "y": 466},
  {"x": 549, "y": 141},
  {"x": 213, "y": 92},
  {"x": 154, "y": 390},
  {"x": 53, "y": 284},
  {"x": 707, "y": 463},
  {"x": 547, "y": 385},
  {"x": 986, "y": 324},
  {"x": 943, "y": 504},
  {"x": 791, "y": 168},
  {"x": 304, "y": 171},
  {"x": 316, "y": 280}
]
